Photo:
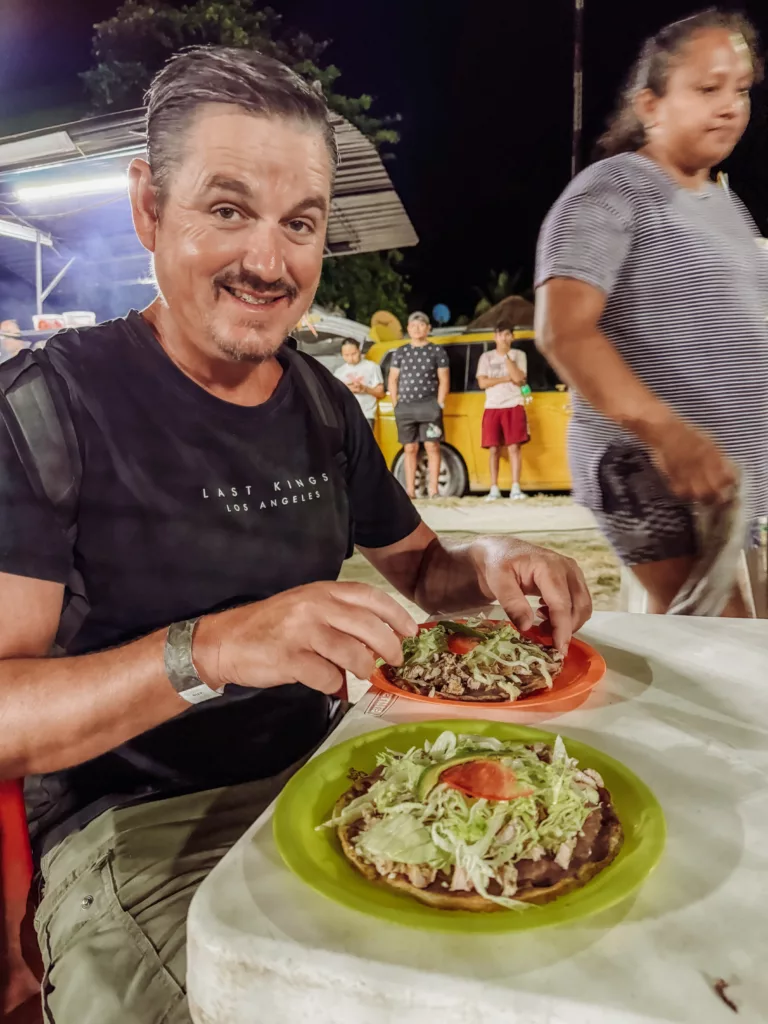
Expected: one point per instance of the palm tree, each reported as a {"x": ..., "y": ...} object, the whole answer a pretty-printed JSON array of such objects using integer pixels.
[{"x": 500, "y": 285}]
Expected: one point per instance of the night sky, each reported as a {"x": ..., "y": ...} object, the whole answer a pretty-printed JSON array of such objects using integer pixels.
[{"x": 484, "y": 88}]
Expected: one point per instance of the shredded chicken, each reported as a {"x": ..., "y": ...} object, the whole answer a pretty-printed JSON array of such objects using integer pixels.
[
  {"x": 563, "y": 855},
  {"x": 596, "y": 776},
  {"x": 581, "y": 779},
  {"x": 450, "y": 676},
  {"x": 461, "y": 882},
  {"x": 384, "y": 866},
  {"x": 507, "y": 834},
  {"x": 508, "y": 879},
  {"x": 420, "y": 875}
]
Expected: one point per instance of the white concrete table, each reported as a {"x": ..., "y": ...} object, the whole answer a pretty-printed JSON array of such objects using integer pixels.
[{"x": 685, "y": 705}]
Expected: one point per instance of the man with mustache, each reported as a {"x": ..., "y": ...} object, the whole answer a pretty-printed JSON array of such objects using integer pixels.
[{"x": 214, "y": 514}]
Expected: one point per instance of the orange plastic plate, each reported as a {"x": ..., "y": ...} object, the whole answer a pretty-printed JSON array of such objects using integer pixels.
[{"x": 582, "y": 670}]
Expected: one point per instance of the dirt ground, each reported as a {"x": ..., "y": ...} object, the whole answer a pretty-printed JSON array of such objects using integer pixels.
[{"x": 596, "y": 559}]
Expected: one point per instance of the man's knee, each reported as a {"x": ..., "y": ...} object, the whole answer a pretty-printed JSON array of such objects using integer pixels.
[
  {"x": 433, "y": 447},
  {"x": 412, "y": 448}
]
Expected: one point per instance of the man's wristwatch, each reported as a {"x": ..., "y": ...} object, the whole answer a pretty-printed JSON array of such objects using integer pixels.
[{"x": 179, "y": 666}]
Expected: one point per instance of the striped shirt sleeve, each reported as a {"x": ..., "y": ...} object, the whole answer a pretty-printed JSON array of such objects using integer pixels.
[{"x": 586, "y": 236}]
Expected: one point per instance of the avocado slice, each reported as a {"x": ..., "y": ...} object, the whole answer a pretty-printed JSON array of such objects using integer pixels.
[
  {"x": 461, "y": 629},
  {"x": 431, "y": 776}
]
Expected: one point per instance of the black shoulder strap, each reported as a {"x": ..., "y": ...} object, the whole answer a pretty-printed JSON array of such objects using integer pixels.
[
  {"x": 40, "y": 426},
  {"x": 317, "y": 385}
]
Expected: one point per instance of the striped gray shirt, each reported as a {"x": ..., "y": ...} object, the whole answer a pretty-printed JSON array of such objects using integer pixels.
[{"x": 687, "y": 303}]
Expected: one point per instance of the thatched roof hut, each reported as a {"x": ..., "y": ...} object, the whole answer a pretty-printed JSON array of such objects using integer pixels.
[{"x": 514, "y": 309}]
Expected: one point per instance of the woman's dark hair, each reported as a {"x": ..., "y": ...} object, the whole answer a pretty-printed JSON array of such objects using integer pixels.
[
  {"x": 626, "y": 133},
  {"x": 220, "y": 74}
]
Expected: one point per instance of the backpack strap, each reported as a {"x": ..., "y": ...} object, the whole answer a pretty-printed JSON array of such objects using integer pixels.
[{"x": 40, "y": 426}]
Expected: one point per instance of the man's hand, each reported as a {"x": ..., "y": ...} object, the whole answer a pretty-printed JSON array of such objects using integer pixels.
[
  {"x": 514, "y": 374},
  {"x": 357, "y": 388},
  {"x": 693, "y": 465},
  {"x": 446, "y": 576},
  {"x": 510, "y": 570},
  {"x": 309, "y": 635},
  {"x": 443, "y": 384},
  {"x": 568, "y": 317}
]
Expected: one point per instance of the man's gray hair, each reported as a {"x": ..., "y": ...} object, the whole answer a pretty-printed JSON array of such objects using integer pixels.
[{"x": 248, "y": 79}]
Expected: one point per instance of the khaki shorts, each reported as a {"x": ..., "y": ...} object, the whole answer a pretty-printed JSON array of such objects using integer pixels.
[{"x": 112, "y": 923}]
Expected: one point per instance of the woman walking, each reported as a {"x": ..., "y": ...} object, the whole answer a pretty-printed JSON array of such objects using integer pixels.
[{"x": 652, "y": 297}]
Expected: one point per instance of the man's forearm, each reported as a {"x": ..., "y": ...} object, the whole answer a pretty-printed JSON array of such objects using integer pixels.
[
  {"x": 448, "y": 577},
  {"x": 488, "y": 382},
  {"x": 590, "y": 364},
  {"x": 442, "y": 393},
  {"x": 58, "y": 712}
]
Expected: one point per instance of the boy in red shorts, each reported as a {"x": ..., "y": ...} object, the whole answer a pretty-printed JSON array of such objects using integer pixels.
[{"x": 500, "y": 375}]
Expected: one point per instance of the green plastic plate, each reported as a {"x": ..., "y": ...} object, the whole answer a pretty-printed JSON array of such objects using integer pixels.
[{"x": 316, "y": 857}]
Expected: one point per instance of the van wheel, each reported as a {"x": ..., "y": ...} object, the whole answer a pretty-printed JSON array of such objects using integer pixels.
[{"x": 453, "y": 479}]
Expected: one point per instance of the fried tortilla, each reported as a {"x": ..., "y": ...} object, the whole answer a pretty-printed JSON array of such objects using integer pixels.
[
  {"x": 536, "y": 877},
  {"x": 490, "y": 663}
]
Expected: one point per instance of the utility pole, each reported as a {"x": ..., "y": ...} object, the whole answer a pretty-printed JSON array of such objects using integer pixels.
[{"x": 578, "y": 87}]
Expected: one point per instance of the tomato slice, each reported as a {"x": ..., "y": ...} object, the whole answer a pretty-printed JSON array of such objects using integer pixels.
[
  {"x": 489, "y": 780},
  {"x": 461, "y": 645}
]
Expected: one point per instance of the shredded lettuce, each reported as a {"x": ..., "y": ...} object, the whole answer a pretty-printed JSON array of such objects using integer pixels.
[
  {"x": 444, "y": 747},
  {"x": 420, "y": 649},
  {"x": 505, "y": 646},
  {"x": 503, "y": 658},
  {"x": 474, "y": 839}
]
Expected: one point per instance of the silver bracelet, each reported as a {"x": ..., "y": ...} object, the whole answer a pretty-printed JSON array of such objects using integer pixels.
[{"x": 179, "y": 666}]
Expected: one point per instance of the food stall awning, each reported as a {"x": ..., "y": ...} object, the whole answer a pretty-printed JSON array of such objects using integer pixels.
[{"x": 69, "y": 182}]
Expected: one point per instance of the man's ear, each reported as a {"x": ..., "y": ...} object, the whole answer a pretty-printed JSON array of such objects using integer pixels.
[{"x": 143, "y": 202}]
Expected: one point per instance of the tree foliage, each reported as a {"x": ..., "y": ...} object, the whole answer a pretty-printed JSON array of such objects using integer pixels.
[
  {"x": 500, "y": 285},
  {"x": 134, "y": 44},
  {"x": 358, "y": 286},
  {"x": 129, "y": 48}
]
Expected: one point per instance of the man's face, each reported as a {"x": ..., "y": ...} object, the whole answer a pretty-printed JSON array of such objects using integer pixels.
[
  {"x": 351, "y": 354},
  {"x": 418, "y": 331},
  {"x": 706, "y": 107},
  {"x": 238, "y": 243},
  {"x": 504, "y": 340}
]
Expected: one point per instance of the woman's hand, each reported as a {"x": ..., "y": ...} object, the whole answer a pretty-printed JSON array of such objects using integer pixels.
[{"x": 693, "y": 465}]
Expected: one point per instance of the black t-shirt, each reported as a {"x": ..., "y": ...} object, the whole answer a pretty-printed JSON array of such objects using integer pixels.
[
  {"x": 418, "y": 366},
  {"x": 189, "y": 504}
]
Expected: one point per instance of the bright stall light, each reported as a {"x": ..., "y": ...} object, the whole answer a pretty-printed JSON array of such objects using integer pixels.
[{"x": 86, "y": 187}]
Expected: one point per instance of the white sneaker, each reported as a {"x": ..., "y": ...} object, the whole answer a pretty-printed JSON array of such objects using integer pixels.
[
  {"x": 516, "y": 494},
  {"x": 494, "y": 494}
]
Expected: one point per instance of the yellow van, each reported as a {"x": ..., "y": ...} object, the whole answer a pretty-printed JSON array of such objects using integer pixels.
[{"x": 465, "y": 462}]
